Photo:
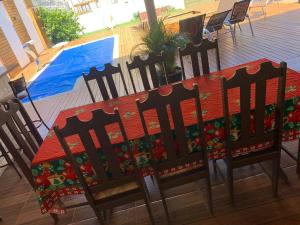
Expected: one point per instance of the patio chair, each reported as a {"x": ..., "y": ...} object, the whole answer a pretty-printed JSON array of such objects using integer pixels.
[
  {"x": 216, "y": 22},
  {"x": 193, "y": 27},
  {"x": 238, "y": 15},
  {"x": 168, "y": 171},
  {"x": 155, "y": 64},
  {"x": 20, "y": 91},
  {"x": 252, "y": 135},
  {"x": 193, "y": 50},
  {"x": 116, "y": 186},
  {"x": 107, "y": 74},
  {"x": 15, "y": 139}
]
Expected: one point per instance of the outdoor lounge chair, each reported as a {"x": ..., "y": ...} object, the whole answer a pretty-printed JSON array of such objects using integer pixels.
[
  {"x": 238, "y": 15},
  {"x": 20, "y": 91}
]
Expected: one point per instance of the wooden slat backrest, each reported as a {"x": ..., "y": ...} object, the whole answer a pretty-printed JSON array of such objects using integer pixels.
[
  {"x": 108, "y": 72},
  {"x": 97, "y": 124},
  {"x": 193, "y": 50},
  {"x": 243, "y": 81},
  {"x": 15, "y": 136},
  {"x": 152, "y": 62},
  {"x": 239, "y": 11},
  {"x": 173, "y": 102},
  {"x": 193, "y": 27}
]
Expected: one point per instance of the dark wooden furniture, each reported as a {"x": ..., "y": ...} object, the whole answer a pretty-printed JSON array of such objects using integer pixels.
[
  {"x": 193, "y": 27},
  {"x": 177, "y": 149},
  {"x": 115, "y": 187},
  {"x": 202, "y": 49},
  {"x": 155, "y": 64},
  {"x": 15, "y": 138},
  {"x": 292, "y": 156},
  {"x": 106, "y": 74},
  {"x": 254, "y": 135},
  {"x": 216, "y": 21},
  {"x": 238, "y": 15},
  {"x": 20, "y": 91}
]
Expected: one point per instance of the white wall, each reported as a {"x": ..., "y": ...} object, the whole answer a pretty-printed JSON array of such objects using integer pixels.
[
  {"x": 12, "y": 37},
  {"x": 108, "y": 14},
  {"x": 22, "y": 9}
]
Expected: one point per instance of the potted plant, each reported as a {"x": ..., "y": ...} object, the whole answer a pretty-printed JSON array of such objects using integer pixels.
[{"x": 158, "y": 40}]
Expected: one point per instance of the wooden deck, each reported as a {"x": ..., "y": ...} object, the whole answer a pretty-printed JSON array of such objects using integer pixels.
[{"x": 278, "y": 38}]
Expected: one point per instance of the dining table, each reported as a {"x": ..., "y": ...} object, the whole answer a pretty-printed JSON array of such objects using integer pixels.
[{"x": 55, "y": 178}]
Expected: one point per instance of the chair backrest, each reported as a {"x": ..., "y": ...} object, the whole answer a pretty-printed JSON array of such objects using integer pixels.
[
  {"x": 252, "y": 89},
  {"x": 239, "y": 11},
  {"x": 155, "y": 64},
  {"x": 202, "y": 49},
  {"x": 225, "y": 5},
  {"x": 104, "y": 162},
  {"x": 15, "y": 136},
  {"x": 18, "y": 85},
  {"x": 169, "y": 114},
  {"x": 216, "y": 21},
  {"x": 99, "y": 76},
  {"x": 193, "y": 27}
]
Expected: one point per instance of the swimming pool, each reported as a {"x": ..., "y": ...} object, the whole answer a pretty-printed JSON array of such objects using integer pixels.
[{"x": 61, "y": 74}]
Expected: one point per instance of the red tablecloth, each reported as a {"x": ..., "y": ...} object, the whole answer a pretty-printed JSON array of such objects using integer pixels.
[{"x": 54, "y": 176}]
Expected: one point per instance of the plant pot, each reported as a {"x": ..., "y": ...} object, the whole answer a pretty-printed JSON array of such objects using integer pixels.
[{"x": 175, "y": 76}]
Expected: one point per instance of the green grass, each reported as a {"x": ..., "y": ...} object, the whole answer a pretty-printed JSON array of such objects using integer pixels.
[{"x": 130, "y": 23}]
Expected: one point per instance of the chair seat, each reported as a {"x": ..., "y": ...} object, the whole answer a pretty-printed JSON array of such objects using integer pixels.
[
  {"x": 180, "y": 170},
  {"x": 122, "y": 189},
  {"x": 22, "y": 94},
  {"x": 251, "y": 149}
]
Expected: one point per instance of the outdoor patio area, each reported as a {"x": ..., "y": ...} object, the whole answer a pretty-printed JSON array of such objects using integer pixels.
[{"x": 276, "y": 38}]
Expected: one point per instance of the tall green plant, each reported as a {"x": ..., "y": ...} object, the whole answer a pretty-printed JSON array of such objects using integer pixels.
[
  {"x": 59, "y": 24},
  {"x": 159, "y": 40}
]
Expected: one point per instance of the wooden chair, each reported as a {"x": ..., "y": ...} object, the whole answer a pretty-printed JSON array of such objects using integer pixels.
[
  {"x": 238, "y": 15},
  {"x": 254, "y": 135},
  {"x": 193, "y": 27},
  {"x": 156, "y": 66},
  {"x": 177, "y": 149},
  {"x": 15, "y": 138},
  {"x": 115, "y": 187},
  {"x": 107, "y": 73},
  {"x": 202, "y": 49}
]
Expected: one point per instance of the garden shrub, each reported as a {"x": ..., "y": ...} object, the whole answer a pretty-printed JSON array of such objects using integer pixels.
[{"x": 60, "y": 24}]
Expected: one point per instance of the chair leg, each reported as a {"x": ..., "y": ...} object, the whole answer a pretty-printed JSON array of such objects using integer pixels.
[
  {"x": 54, "y": 217},
  {"x": 250, "y": 25},
  {"x": 230, "y": 184},
  {"x": 298, "y": 158},
  {"x": 209, "y": 194},
  {"x": 99, "y": 216},
  {"x": 162, "y": 195},
  {"x": 215, "y": 166},
  {"x": 37, "y": 112},
  {"x": 239, "y": 27},
  {"x": 232, "y": 31},
  {"x": 275, "y": 175},
  {"x": 147, "y": 202},
  {"x": 9, "y": 161}
]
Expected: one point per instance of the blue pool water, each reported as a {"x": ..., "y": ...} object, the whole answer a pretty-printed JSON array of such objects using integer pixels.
[{"x": 60, "y": 76}]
